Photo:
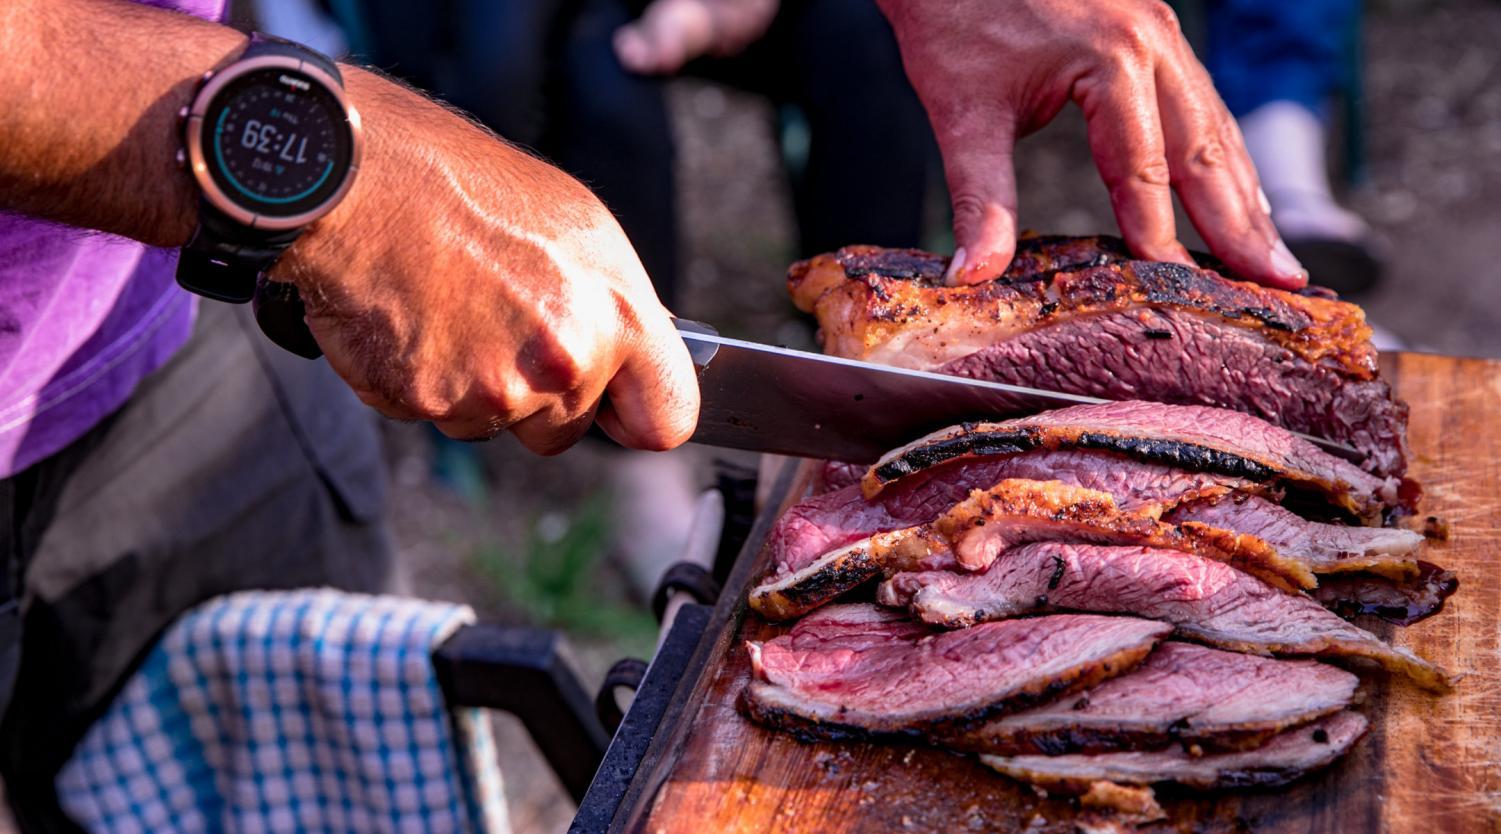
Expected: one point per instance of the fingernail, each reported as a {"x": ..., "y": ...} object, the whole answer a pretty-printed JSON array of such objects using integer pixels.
[
  {"x": 1284, "y": 264},
  {"x": 1266, "y": 205},
  {"x": 956, "y": 265}
]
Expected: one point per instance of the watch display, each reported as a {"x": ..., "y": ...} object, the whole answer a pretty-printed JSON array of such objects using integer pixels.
[{"x": 276, "y": 142}]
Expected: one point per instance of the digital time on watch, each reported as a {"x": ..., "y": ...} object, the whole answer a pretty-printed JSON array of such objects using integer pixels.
[{"x": 273, "y": 144}]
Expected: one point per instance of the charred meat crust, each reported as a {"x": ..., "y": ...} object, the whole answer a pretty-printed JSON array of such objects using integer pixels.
[
  {"x": 774, "y": 707},
  {"x": 1057, "y": 741},
  {"x": 823, "y": 581},
  {"x": 977, "y": 443},
  {"x": 1286, "y": 757},
  {"x": 1053, "y": 276}
]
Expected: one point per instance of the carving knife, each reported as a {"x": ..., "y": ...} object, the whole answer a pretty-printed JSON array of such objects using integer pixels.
[{"x": 790, "y": 402}]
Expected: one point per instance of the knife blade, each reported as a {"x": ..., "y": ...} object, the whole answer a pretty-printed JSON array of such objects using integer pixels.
[{"x": 764, "y": 398}]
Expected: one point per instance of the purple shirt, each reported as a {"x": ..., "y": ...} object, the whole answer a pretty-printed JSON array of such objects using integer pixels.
[{"x": 84, "y": 317}]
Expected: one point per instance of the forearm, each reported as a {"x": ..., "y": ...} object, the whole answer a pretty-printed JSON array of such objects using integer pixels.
[{"x": 89, "y": 95}]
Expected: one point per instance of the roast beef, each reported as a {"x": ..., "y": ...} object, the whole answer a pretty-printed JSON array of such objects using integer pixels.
[
  {"x": 1188, "y": 437},
  {"x": 1009, "y": 513},
  {"x": 1183, "y": 693},
  {"x": 1287, "y": 757},
  {"x": 1401, "y": 601},
  {"x": 1080, "y": 316},
  {"x": 1324, "y": 548},
  {"x": 1208, "y": 601},
  {"x": 978, "y": 529},
  {"x": 849, "y": 671}
]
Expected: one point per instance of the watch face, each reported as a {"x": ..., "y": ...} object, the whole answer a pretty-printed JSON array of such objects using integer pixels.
[{"x": 277, "y": 142}]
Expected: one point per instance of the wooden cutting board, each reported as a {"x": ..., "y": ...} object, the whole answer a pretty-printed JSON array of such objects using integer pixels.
[{"x": 1429, "y": 765}]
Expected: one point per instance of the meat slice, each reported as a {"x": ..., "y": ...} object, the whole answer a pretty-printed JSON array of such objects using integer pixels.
[
  {"x": 974, "y": 531},
  {"x": 1400, "y": 601},
  {"x": 1324, "y": 548},
  {"x": 1287, "y": 757},
  {"x": 1182, "y": 694},
  {"x": 1188, "y": 437},
  {"x": 1208, "y": 601},
  {"x": 849, "y": 671},
  {"x": 981, "y": 527},
  {"x": 830, "y": 530},
  {"x": 1080, "y": 316}
]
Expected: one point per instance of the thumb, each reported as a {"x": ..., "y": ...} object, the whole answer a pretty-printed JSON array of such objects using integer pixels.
[
  {"x": 653, "y": 399},
  {"x": 981, "y": 175}
]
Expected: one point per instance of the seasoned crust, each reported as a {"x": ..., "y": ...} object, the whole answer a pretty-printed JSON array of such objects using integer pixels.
[{"x": 889, "y": 306}]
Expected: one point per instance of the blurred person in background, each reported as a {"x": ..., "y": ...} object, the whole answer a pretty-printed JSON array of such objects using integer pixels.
[
  {"x": 582, "y": 83},
  {"x": 1278, "y": 65}
]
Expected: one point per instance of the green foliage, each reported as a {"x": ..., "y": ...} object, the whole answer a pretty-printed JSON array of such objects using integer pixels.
[{"x": 558, "y": 578}]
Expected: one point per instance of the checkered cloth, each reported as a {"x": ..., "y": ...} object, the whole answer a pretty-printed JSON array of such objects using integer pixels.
[{"x": 291, "y": 711}]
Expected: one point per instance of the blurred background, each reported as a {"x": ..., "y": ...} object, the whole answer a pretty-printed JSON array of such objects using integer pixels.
[{"x": 1411, "y": 137}]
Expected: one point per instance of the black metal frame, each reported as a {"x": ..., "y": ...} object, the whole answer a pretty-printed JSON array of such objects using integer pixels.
[{"x": 528, "y": 673}]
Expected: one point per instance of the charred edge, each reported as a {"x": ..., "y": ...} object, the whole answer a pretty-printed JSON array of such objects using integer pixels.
[
  {"x": 825, "y": 584},
  {"x": 1184, "y": 286},
  {"x": 1181, "y": 454},
  {"x": 968, "y": 444},
  {"x": 807, "y": 729},
  {"x": 1063, "y": 740},
  {"x": 904, "y": 264}
]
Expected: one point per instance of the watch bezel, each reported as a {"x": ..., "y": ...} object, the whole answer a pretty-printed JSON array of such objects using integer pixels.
[{"x": 198, "y": 162}]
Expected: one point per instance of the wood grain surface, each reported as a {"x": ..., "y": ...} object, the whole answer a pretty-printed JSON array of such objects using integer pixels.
[{"x": 1428, "y": 765}]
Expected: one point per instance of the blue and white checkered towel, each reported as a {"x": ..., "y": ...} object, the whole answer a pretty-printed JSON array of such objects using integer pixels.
[{"x": 290, "y": 711}]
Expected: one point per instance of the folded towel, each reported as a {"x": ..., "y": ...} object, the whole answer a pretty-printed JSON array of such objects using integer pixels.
[{"x": 307, "y": 710}]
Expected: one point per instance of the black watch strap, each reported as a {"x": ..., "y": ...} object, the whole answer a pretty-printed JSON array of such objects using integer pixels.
[{"x": 224, "y": 259}]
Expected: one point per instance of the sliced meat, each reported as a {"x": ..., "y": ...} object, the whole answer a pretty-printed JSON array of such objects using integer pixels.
[
  {"x": 1208, "y": 601},
  {"x": 1324, "y": 548},
  {"x": 825, "y": 532},
  {"x": 834, "y": 474},
  {"x": 1182, "y": 693},
  {"x": 1079, "y": 316},
  {"x": 1287, "y": 757},
  {"x": 849, "y": 671},
  {"x": 981, "y": 527},
  {"x": 1400, "y": 601},
  {"x": 1188, "y": 437},
  {"x": 974, "y": 531}
]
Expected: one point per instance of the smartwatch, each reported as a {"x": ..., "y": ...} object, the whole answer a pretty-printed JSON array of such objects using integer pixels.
[{"x": 273, "y": 144}]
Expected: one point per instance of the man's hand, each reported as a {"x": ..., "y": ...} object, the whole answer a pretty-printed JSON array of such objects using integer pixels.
[
  {"x": 670, "y": 33},
  {"x": 460, "y": 280},
  {"x": 989, "y": 73},
  {"x": 469, "y": 284}
]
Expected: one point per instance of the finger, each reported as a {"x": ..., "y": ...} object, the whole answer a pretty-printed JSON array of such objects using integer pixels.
[
  {"x": 668, "y": 35},
  {"x": 1216, "y": 180},
  {"x": 550, "y": 431},
  {"x": 978, "y": 164},
  {"x": 653, "y": 399},
  {"x": 1125, "y": 137}
]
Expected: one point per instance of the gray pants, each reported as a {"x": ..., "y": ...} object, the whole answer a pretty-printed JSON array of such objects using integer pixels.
[{"x": 236, "y": 466}]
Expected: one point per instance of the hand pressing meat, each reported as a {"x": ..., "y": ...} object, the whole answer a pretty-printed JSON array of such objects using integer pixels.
[{"x": 989, "y": 74}]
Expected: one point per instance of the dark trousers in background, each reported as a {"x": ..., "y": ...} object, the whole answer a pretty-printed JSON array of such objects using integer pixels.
[
  {"x": 1261, "y": 51},
  {"x": 236, "y": 466},
  {"x": 543, "y": 73}
]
